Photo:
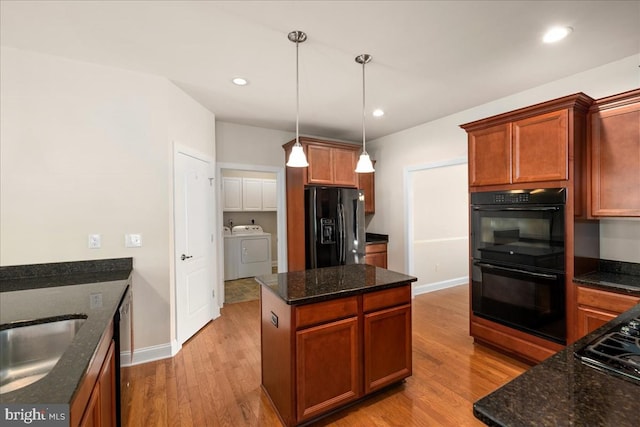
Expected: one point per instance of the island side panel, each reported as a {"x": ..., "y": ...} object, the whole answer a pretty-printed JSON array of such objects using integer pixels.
[{"x": 277, "y": 354}]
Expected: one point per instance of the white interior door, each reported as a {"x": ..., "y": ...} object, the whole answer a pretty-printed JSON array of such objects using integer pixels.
[{"x": 196, "y": 302}]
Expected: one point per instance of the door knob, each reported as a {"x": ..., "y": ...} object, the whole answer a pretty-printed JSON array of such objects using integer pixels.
[{"x": 183, "y": 257}]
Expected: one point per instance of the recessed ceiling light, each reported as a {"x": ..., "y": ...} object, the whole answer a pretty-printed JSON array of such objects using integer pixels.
[
  {"x": 378, "y": 112},
  {"x": 556, "y": 34},
  {"x": 240, "y": 81}
]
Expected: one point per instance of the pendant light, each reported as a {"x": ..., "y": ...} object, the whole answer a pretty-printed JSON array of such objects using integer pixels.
[
  {"x": 364, "y": 163},
  {"x": 297, "y": 158}
]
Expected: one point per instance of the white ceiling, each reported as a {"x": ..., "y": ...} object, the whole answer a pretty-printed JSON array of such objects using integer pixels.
[{"x": 430, "y": 58}]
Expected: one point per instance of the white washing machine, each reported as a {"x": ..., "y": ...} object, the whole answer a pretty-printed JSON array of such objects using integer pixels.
[{"x": 247, "y": 252}]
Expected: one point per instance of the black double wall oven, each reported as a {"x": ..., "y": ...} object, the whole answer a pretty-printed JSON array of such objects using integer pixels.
[{"x": 518, "y": 260}]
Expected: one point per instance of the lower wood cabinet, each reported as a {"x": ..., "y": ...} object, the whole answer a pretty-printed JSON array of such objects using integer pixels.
[
  {"x": 95, "y": 401},
  {"x": 596, "y": 307},
  {"x": 387, "y": 347},
  {"x": 327, "y": 367},
  {"x": 322, "y": 356},
  {"x": 101, "y": 409},
  {"x": 376, "y": 254}
]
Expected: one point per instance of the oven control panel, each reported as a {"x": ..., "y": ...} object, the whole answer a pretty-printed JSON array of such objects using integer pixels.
[{"x": 501, "y": 198}]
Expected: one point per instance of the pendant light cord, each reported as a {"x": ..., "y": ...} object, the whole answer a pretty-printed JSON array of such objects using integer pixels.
[
  {"x": 297, "y": 96},
  {"x": 364, "y": 146}
]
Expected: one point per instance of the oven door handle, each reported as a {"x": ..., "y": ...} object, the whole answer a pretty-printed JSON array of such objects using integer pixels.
[
  {"x": 517, "y": 270},
  {"x": 532, "y": 208}
]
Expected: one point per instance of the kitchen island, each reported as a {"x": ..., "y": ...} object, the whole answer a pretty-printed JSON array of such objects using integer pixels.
[{"x": 332, "y": 336}]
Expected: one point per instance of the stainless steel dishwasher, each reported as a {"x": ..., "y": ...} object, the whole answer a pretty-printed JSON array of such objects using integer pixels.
[{"x": 124, "y": 355}]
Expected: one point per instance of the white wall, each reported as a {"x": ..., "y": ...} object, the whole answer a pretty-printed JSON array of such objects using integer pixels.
[
  {"x": 250, "y": 145},
  {"x": 88, "y": 149},
  {"x": 443, "y": 140}
]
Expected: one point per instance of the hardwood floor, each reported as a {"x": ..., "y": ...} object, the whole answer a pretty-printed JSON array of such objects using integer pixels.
[{"x": 215, "y": 379}]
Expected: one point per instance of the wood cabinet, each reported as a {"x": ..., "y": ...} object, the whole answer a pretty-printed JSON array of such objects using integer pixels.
[
  {"x": 319, "y": 357},
  {"x": 533, "y": 144},
  {"x": 614, "y": 139},
  {"x": 331, "y": 163},
  {"x": 327, "y": 367},
  {"x": 95, "y": 401},
  {"x": 595, "y": 307},
  {"x": 376, "y": 254},
  {"x": 367, "y": 183},
  {"x": 101, "y": 409},
  {"x": 387, "y": 337},
  {"x": 540, "y": 146}
]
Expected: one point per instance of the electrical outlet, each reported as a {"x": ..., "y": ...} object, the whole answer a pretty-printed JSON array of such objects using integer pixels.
[
  {"x": 95, "y": 241},
  {"x": 133, "y": 240}
]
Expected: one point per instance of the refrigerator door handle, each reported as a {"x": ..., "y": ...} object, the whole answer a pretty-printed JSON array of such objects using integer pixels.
[{"x": 340, "y": 234}]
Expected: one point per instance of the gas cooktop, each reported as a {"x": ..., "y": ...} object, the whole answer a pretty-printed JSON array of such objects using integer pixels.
[{"x": 618, "y": 350}]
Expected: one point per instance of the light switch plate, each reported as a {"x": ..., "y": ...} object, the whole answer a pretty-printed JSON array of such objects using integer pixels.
[
  {"x": 95, "y": 241},
  {"x": 133, "y": 240}
]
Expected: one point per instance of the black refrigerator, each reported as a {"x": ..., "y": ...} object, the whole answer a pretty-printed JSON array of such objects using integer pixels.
[{"x": 334, "y": 226}]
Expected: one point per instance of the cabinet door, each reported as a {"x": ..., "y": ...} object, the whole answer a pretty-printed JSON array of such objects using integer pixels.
[
  {"x": 269, "y": 195},
  {"x": 344, "y": 167},
  {"x": 107, "y": 384},
  {"x": 490, "y": 156},
  {"x": 320, "y": 170},
  {"x": 387, "y": 347},
  {"x": 327, "y": 368},
  {"x": 251, "y": 194},
  {"x": 376, "y": 254},
  {"x": 596, "y": 307},
  {"x": 615, "y": 149},
  {"x": 232, "y": 193},
  {"x": 366, "y": 182},
  {"x": 590, "y": 319},
  {"x": 91, "y": 417},
  {"x": 540, "y": 148}
]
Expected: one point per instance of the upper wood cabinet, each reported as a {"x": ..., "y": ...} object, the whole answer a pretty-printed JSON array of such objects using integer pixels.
[
  {"x": 367, "y": 183},
  {"x": 533, "y": 144},
  {"x": 614, "y": 139},
  {"x": 331, "y": 165}
]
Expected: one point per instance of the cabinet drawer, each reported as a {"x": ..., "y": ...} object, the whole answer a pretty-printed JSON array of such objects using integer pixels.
[
  {"x": 314, "y": 314},
  {"x": 606, "y": 300},
  {"x": 372, "y": 248},
  {"x": 386, "y": 298}
]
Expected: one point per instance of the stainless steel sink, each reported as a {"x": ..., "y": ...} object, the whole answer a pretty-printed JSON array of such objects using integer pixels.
[{"x": 29, "y": 350}]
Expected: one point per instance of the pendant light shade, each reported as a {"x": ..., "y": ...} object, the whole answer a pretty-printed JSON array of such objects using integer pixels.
[
  {"x": 297, "y": 158},
  {"x": 364, "y": 163}
]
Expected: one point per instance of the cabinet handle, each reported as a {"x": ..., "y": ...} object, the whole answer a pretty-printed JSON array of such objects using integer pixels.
[{"x": 183, "y": 257}]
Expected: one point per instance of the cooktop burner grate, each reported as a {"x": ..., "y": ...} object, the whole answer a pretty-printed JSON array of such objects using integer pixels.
[{"x": 617, "y": 351}]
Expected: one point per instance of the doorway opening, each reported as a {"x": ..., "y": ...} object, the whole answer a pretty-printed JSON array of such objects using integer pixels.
[{"x": 251, "y": 215}]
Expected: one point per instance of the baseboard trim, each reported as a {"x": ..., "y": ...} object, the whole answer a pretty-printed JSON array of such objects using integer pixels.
[
  {"x": 150, "y": 354},
  {"x": 431, "y": 287}
]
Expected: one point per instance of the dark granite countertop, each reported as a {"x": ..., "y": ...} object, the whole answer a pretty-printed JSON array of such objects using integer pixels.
[
  {"x": 372, "y": 238},
  {"x": 562, "y": 391},
  {"x": 616, "y": 276},
  {"x": 96, "y": 294},
  {"x": 302, "y": 287}
]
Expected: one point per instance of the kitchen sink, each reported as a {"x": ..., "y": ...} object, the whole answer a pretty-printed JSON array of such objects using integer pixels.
[{"x": 30, "y": 349}]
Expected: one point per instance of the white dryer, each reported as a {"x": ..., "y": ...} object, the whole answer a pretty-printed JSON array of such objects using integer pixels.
[{"x": 247, "y": 252}]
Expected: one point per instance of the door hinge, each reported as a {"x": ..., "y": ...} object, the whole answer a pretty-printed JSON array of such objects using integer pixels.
[
  {"x": 213, "y": 294},
  {"x": 211, "y": 182}
]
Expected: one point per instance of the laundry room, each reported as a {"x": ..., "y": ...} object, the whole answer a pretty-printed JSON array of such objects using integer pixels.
[{"x": 249, "y": 225}]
